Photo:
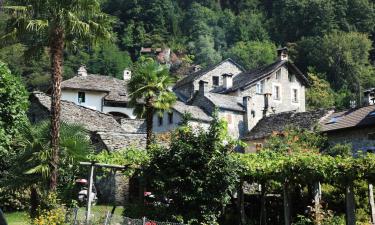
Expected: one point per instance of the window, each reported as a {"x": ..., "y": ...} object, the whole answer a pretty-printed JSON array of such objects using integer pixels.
[
  {"x": 278, "y": 74},
  {"x": 292, "y": 78},
  {"x": 215, "y": 81},
  {"x": 160, "y": 121},
  {"x": 371, "y": 136},
  {"x": 81, "y": 97},
  {"x": 170, "y": 117},
  {"x": 276, "y": 92},
  {"x": 260, "y": 87},
  {"x": 294, "y": 95}
]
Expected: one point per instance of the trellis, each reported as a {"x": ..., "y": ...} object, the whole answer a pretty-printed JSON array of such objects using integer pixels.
[{"x": 310, "y": 168}]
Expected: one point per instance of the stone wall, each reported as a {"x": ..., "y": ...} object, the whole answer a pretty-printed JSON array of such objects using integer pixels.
[
  {"x": 358, "y": 137},
  {"x": 133, "y": 125},
  {"x": 225, "y": 68},
  {"x": 285, "y": 103}
]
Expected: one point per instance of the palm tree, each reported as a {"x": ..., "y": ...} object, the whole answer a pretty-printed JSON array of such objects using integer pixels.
[
  {"x": 149, "y": 85},
  {"x": 57, "y": 24}
]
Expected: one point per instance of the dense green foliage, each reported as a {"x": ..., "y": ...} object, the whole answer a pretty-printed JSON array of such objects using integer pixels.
[
  {"x": 13, "y": 106},
  {"x": 34, "y": 152},
  {"x": 333, "y": 37},
  {"x": 196, "y": 171}
]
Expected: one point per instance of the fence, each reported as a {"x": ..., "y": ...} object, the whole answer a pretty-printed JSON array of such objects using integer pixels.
[{"x": 78, "y": 217}]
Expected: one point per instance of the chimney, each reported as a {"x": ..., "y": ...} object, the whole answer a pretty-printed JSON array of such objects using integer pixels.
[
  {"x": 246, "y": 101},
  {"x": 203, "y": 87},
  {"x": 127, "y": 74},
  {"x": 82, "y": 72},
  {"x": 369, "y": 97},
  {"x": 282, "y": 53},
  {"x": 267, "y": 107},
  {"x": 228, "y": 80}
]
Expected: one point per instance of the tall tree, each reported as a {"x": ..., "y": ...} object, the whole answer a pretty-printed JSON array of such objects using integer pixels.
[
  {"x": 150, "y": 84},
  {"x": 57, "y": 24}
]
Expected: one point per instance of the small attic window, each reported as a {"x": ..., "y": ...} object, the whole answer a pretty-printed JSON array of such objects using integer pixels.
[
  {"x": 81, "y": 97},
  {"x": 278, "y": 74},
  {"x": 215, "y": 81}
]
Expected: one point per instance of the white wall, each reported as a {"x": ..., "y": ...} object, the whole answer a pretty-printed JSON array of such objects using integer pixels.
[
  {"x": 93, "y": 99},
  {"x": 166, "y": 126},
  {"x": 128, "y": 111},
  {"x": 177, "y": 118},
  {"x": 234, "y": 121}
]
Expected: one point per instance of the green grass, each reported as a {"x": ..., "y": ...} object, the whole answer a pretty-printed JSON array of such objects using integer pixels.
[
  {"x": 21, "y": 218},
  {"x": 17, "y": 218}
]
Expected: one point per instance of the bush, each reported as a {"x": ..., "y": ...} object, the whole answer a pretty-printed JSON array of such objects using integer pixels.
[{"x": 14, "y": 200}]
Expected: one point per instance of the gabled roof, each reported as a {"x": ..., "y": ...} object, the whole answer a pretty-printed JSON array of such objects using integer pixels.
[
  {"x": 196, "y": 112},
  {"x": 227, "y": 102},
  {"x": 194, "y": 76},
  {"x": 352, "y": 118},
  {"x": 246, "y": 79},
  {"x": 280, "y": 121},
  {"x": 117, "y": 89}
]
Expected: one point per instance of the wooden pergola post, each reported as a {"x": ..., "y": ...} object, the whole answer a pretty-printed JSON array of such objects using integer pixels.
[
  {"x": 350, "y": 204},
  {"x": 286, "y": 204},
  {"x": 91, "y": 181},
  {"x": 371, "y": 202}
]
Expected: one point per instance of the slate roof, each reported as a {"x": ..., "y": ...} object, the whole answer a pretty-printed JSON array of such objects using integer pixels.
[
  {"x": 352, "y": 118},
  {"x": 247, "y": 78},
  {"x": 116, "y": 88},
  {"x": 109, "y": 130},
  {"x": 194, "y": 76},
  {"x": 280, "y": 121},
  {"x": 225, "y": 101},
  {"x": 196, "y": 112}
]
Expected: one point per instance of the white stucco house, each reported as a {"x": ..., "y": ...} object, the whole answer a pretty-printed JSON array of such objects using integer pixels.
[{"x": 102, "y": 93}]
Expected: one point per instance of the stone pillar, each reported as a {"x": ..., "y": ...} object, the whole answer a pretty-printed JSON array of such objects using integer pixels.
[{"x": 247, "y": 115}]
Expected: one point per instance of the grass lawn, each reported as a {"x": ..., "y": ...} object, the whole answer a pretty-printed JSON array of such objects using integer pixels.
[
  {"x": 21, "y": 218},
  {"x": 17, "y": 218}
]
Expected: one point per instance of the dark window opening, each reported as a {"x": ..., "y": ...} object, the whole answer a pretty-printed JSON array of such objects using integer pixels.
[
  {"x": 160, "y": 120},
  {"x": 115, "y": 104},
  {"x": 215, "y": 81},
  {"x": 81, "y": 97},
  {"x": 371, "y": 136},
  {"x": 170, "y": 117}
]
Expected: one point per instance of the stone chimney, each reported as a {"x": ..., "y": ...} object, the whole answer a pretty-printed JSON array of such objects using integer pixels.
[
  {"x": 127, "y": 74},
  {"x": 246, "y": 101},
  {"x": 369, "y": 97},
  {"x": 82, "y": 72},
  {"x": 282, "y": 53},
  {"x": 228, "y": 81},
  {"x": 267, "y": 106},
  {"x": 203, "y": 87}
]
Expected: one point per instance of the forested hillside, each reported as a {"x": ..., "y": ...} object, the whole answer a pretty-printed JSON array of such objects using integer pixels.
[{"x": 330, "y": 40}]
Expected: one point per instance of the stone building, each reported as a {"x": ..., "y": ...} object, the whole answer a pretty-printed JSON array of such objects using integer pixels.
[
  {"x": 105, "y": 131},
  {"x": 243, "y": 97},
  {"x": 353, "y": 126},
  {"x": 102, "y": 93}
]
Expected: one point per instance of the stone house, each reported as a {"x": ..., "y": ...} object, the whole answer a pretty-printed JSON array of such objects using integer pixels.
[
  {"x": 102, "y": 93},
  {"x": 243, "y": 97},
  {"x": 353, "y": 126}
]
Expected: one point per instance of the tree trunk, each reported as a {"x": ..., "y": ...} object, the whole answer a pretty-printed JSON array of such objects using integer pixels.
[
  {"x": 263, "y": 216},
  {"x": 56, "y": 51},
  {"x": 371, "y": 202},
  {"x": 34, "y": 201},
  {"x": 149, "y": 122},
  {"x": 350, "y": 204},
  {"x": 286, "y": 204}
]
